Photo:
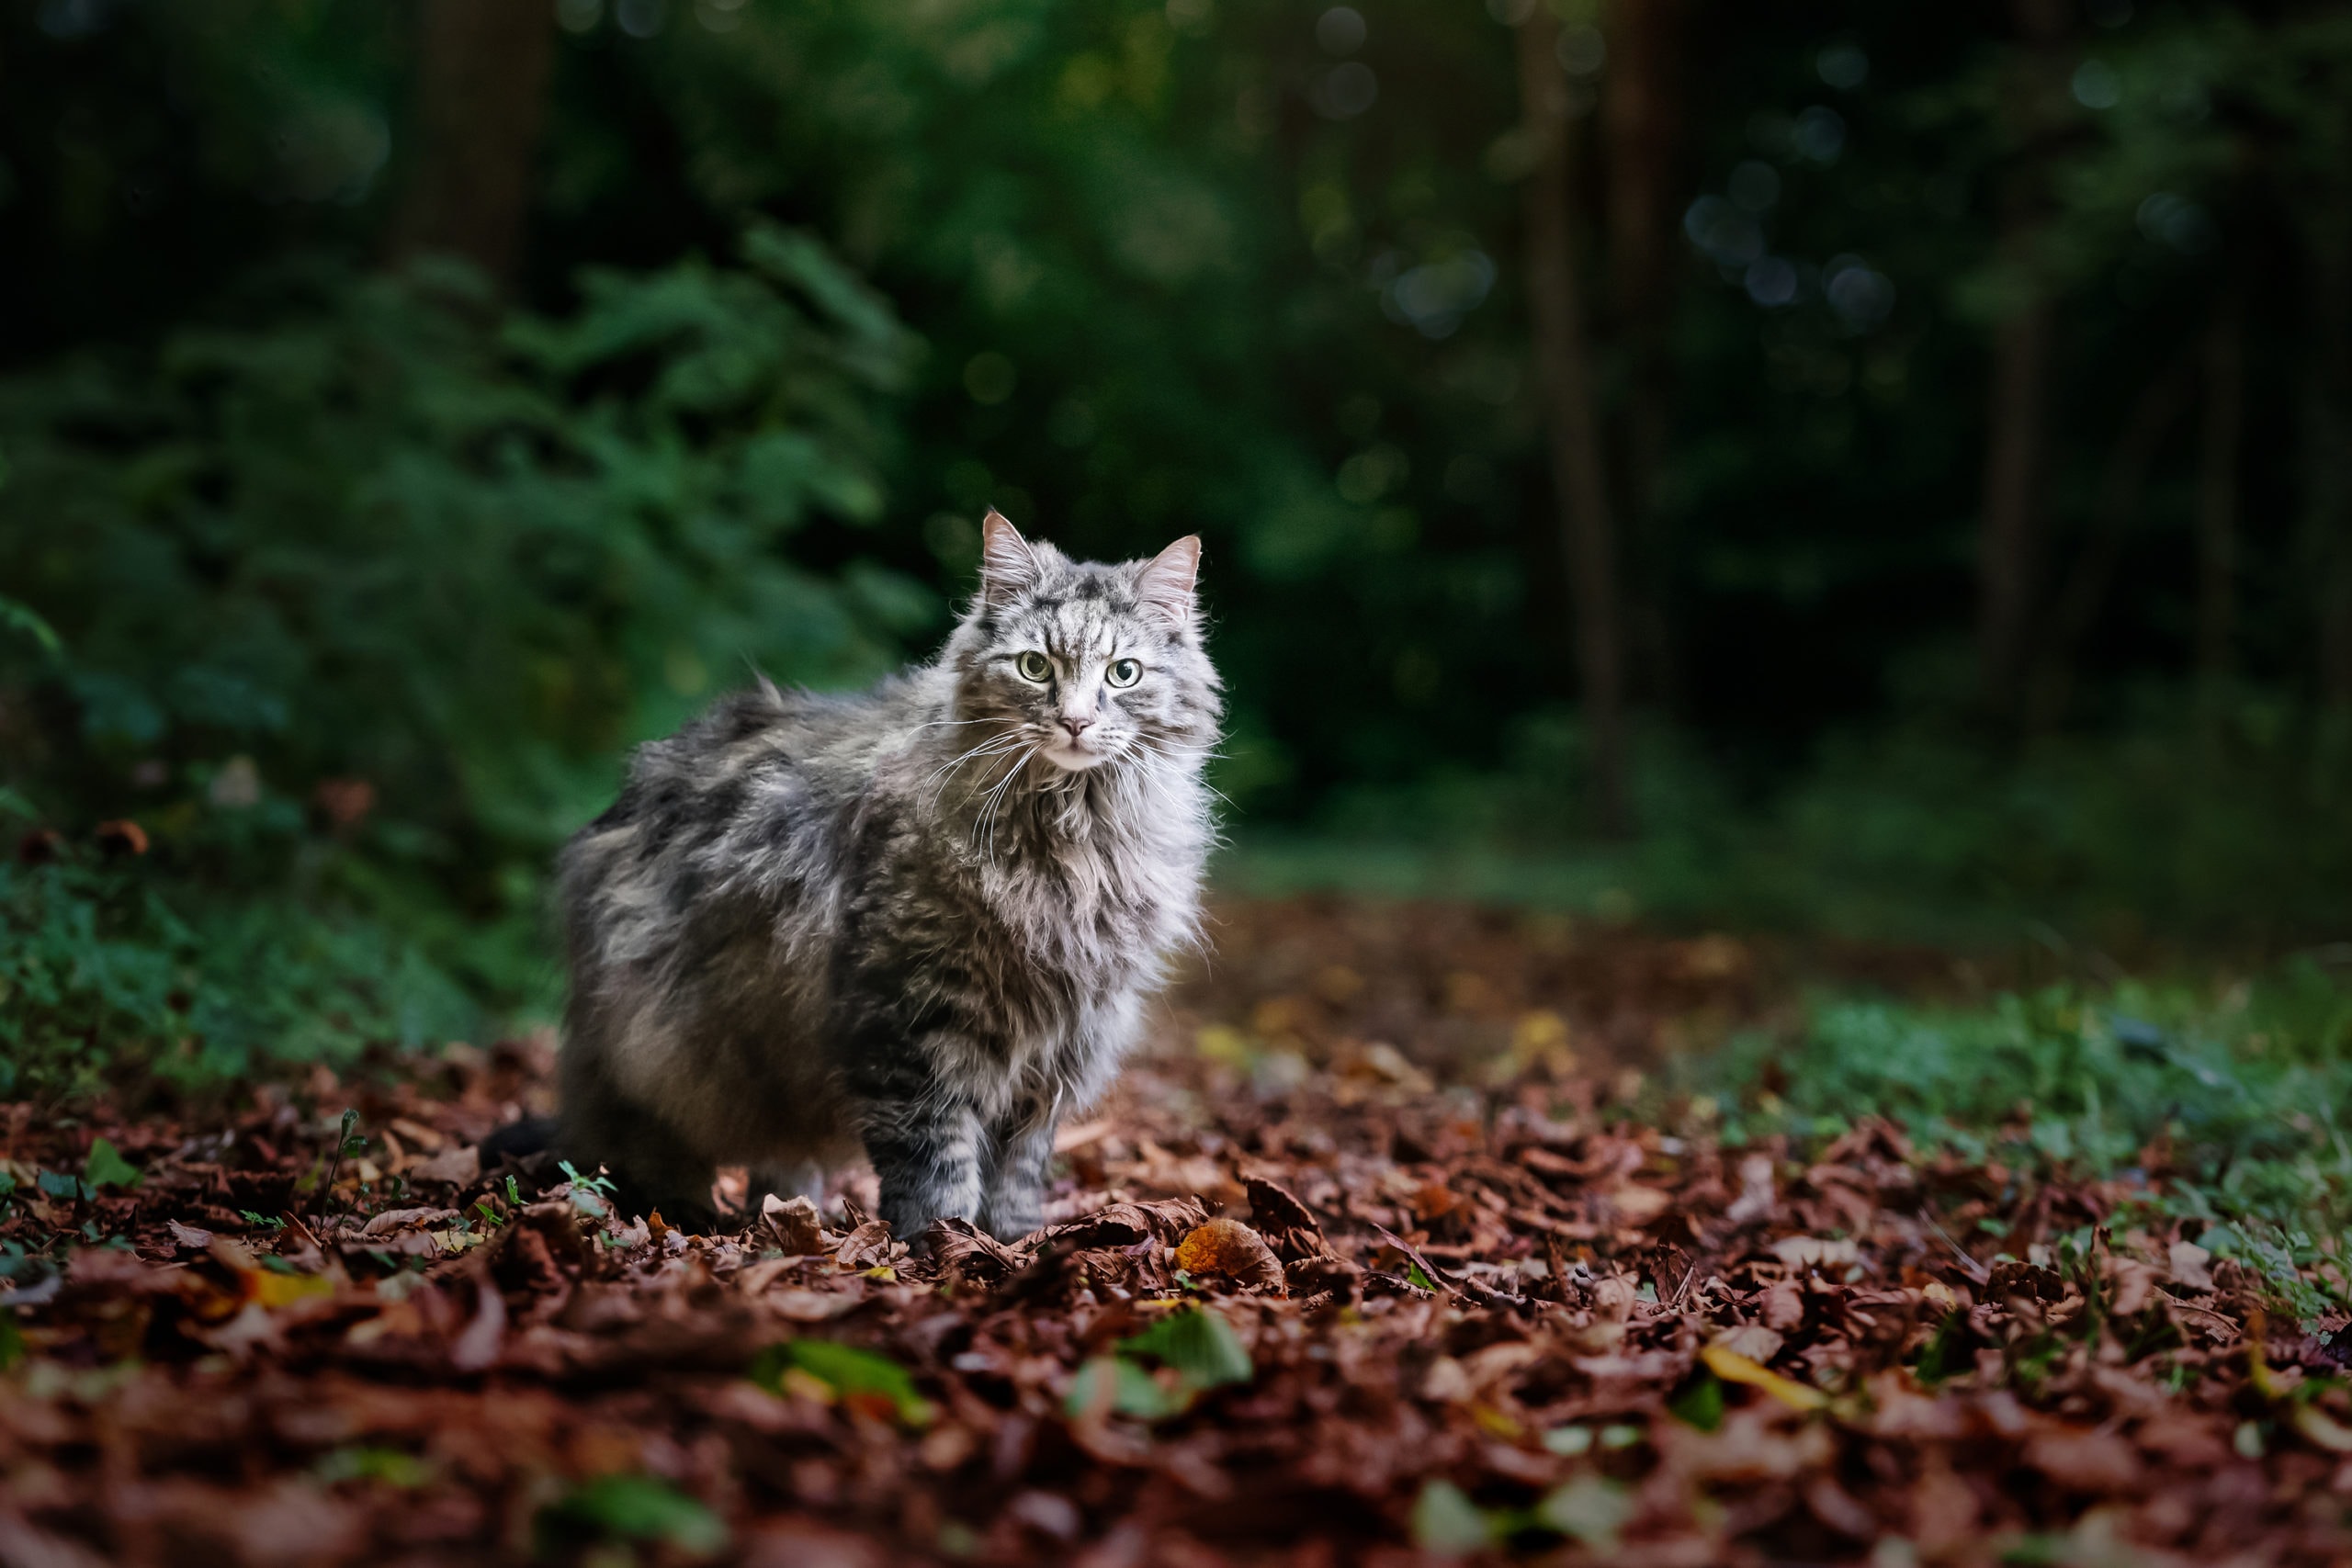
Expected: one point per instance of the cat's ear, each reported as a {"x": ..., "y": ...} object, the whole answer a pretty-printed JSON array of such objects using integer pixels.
[
  {"x": 1165, "y": 584},
  {"x": 1009, "y": 565}
]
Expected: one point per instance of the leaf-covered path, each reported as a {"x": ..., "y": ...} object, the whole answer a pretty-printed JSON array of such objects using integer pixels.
[{"x": 1366, "y": 1259}]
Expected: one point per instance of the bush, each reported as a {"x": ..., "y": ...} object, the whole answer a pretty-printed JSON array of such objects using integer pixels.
[
  {"x": 2170, "y": 827},
  {"x": 355, "y": 598}
]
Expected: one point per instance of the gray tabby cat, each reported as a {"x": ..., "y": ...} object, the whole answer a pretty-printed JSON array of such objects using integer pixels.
[{"x": 921, "y": 920}]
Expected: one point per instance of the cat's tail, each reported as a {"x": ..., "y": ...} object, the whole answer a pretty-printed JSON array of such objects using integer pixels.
[{"x": 518, "y": 1140}]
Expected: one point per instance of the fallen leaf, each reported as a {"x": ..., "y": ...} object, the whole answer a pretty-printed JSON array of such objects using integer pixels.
[
  {"x": 478, "y": 1346},
  {"x": 1732, "y": 1367},
  {"x": 2092, "y": 1461},
  {"x": 459, "y": 1165},
  {"x": 793, "y": 1225},
  {"x": 1752, "y": 1341},
  {"x": 2188, "y": 1270},
  {"x": 1230, "y": 1248}
]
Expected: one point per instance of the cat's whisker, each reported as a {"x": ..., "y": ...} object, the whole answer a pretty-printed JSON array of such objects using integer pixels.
[
  {"x": 995, "y": 801},
  {"x": 993, "y": 745}
]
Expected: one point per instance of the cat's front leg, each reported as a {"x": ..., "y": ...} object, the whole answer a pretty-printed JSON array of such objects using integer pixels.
[
  {"x": 1013, "y": 1201},
  {"x": 928, "y": 1152}
]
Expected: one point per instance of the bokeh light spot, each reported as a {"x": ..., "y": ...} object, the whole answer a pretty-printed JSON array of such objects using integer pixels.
[
  {"x": 1843, "y": 65},
  {"x": 1819, "y": 134},
  {"x": 2097, "y": 86},
  {"x": 990, "y": 378},
  {"x": 1755, "y": 185},
  {"x": 1339, "y": 30},
  {"x": 1346, "y": 91},
  {"x": 1582, "y": 50},
  {"x": 1771, "y": 281}
]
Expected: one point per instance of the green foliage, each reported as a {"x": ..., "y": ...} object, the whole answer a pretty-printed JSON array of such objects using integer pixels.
[
  {"x": 2236, "y": 1092},
  {"x": 106, "y": 1167},
  {"x": 100, "y": 971},
  {"x": 1197, "y": 1351},
  {"x": 849, "y": 1372},
  {"x": 1125, "y": 1388},
  {"x": 632, "y": 1508},
  {"x": 360, "y": 598},
  {"x": 352, "y": 589},
  {"x": 1701, "y": 1404},
  {"x": 1586, "y": 1507},
  {"x": 392, "y": 1467},
  {"x": 1198, "y": 1345},
  {"x": 1446, "y": 1523},
  {"x": 2168, "y": 827}
]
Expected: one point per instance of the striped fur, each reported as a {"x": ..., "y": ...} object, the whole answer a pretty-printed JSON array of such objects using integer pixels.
[{"x": 920, "y": 921}]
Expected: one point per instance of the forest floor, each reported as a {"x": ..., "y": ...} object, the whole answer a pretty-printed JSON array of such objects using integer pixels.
[{"x": 1367, "y": 1260}]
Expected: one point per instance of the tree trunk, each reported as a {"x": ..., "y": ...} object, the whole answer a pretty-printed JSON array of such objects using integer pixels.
[
  {"x": 2160, "y": 402},
  {"x": 2010, "y": 550},
  {"x": 483, "y": 69},
  {"x": 1642, "y": 111},
  {"x": 1572, "y": 420},
  {"x": 2326, "y": 437},
  {"x": 2217, "y": 503},
  {"x": 2010, "y": 545}
]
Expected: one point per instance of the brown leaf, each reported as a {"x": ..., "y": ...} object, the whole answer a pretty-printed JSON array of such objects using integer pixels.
[
  {"x": 392, "y": 1220},
  {"x": 2097, "y": 1462},
  {"x": 2135, "y": 1285},
  {"x": 459, "y": 1165},
  {"x": 2188, "y": 1270},
  {"x": 478, "y": 1346},
  {"x": 1784, "y": 1306},
  {"x": 793, "y": 1225},
  {"x": 1289, "y": 1226},
  {"x": 1757, "y": 1343},
  {"x": 966, "y": 1254}
]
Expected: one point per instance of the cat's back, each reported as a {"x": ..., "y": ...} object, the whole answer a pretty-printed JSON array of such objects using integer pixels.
[{"x": 747, "y": 798}]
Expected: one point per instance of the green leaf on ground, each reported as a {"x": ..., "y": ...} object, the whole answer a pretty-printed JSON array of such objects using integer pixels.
[
  {"x": 106, "y": 1167},
  {"x": 848, "y": 1371},
  {"x": 1446, "y": 1523},
  {"x": 634, "y": 1507},
  {"x": 1590, "y": 1508},
  {"x": 1123, "y": 1388},
  {"x": 1198, "y": 1343},
  {"x": 394, "y": 1467},
  {"x": 1700, "y": 1404}
]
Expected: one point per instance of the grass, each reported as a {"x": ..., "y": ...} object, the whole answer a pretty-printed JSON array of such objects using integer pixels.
[{"x": 2231, "y": 1093}]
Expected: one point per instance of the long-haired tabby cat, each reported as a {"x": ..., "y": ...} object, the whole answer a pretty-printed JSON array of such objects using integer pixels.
[{"x": 920, "y": 920}]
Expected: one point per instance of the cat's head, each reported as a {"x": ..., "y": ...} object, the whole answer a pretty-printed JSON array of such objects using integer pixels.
[{"x": 1083, "y": 663}]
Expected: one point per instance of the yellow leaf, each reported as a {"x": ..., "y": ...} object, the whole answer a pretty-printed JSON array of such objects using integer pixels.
[
  {"x": 1732, "y": 1367},
  {"x": 1499, "y": 1422},
  {"x": 274, "y": 1290},
  {"x": 2322, "y": 1430}
]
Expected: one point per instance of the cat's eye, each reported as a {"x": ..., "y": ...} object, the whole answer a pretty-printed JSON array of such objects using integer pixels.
[
  {"x": 1123, "y": 672},
  {"x": 1034, "y": 667}
]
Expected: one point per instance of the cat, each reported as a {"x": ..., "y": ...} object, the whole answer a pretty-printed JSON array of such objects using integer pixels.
[{"x": 920, "y": 921}]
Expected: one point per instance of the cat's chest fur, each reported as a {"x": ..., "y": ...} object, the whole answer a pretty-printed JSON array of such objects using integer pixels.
[{"x": 1066, "y": 912}]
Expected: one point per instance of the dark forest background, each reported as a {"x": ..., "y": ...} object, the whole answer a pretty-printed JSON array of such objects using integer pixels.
[{"x": 1826, "y": 467}]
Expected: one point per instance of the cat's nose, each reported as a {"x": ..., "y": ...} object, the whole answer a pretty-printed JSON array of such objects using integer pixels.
[{"x": 1078, "y": 727}]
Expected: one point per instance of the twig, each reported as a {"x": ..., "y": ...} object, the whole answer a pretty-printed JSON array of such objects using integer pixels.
[
  {"x": 334, "y": 1169},
  {"x": 1976, "y": 1271}
]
